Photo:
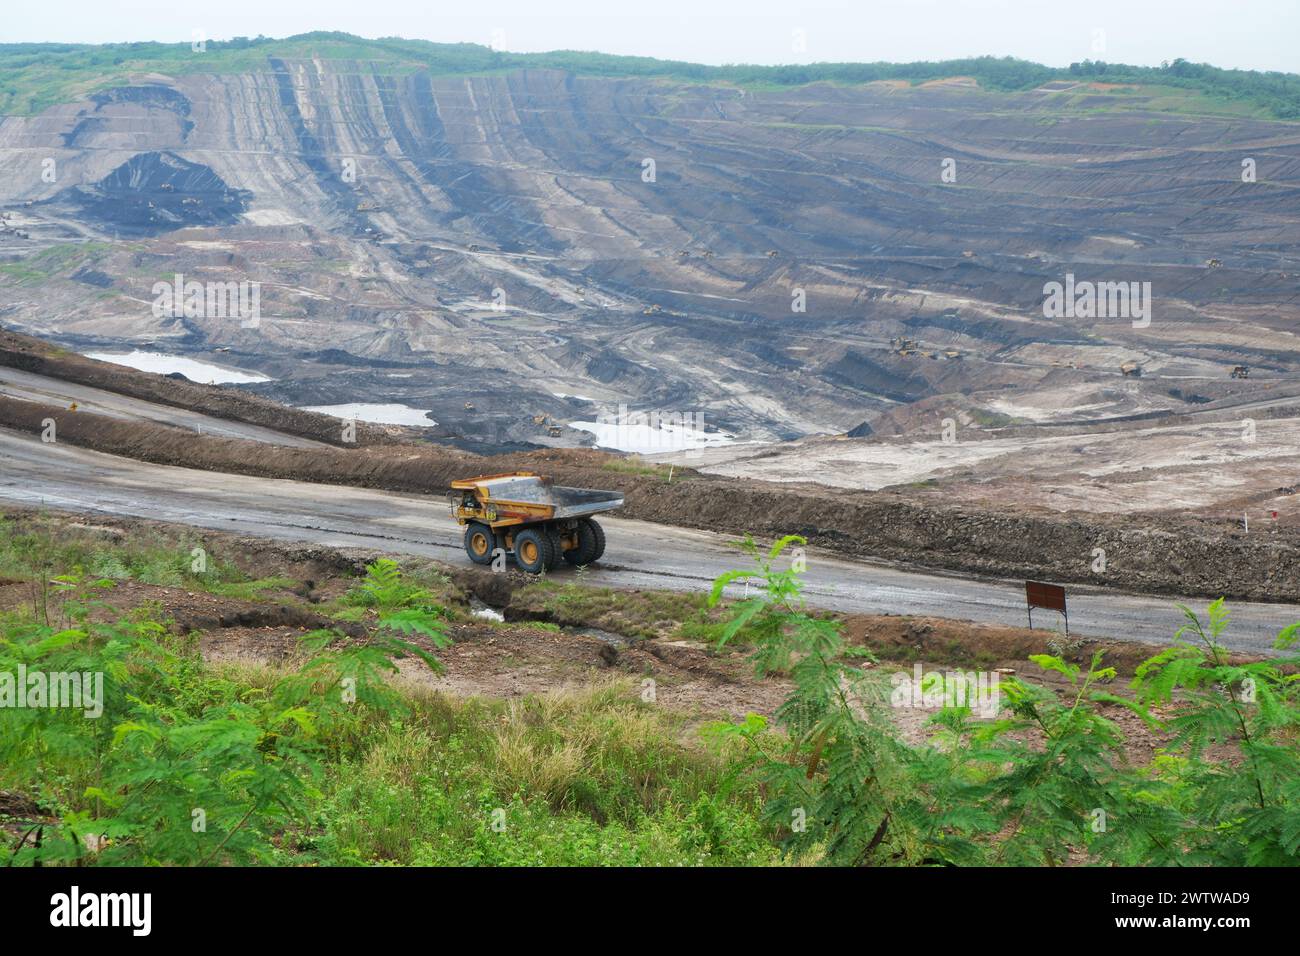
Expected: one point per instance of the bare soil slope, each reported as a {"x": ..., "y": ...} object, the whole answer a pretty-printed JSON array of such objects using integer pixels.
[{"x": 427, "y": 238}]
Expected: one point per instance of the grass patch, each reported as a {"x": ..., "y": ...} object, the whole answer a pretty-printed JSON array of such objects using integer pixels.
[
  {"x": 635, "y": 614},
  {"x": 35, "y": 548},
  {"x": 251, "y": 590},
  {"x": 48, "y": 263},
  {"x": 636, "y": 465},
  {"x": 987, "y": 418},
  {"x": 582, "y": 778},
  {"x": 641, "y": 615}
]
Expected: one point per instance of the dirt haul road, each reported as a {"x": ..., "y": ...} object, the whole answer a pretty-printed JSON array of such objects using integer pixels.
[
  {"x": 40, "y": 388},
  {"x": 639, "y": 554}
]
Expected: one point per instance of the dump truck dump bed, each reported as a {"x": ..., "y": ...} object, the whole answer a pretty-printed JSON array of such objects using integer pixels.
[{"x": 536, "y": 495}]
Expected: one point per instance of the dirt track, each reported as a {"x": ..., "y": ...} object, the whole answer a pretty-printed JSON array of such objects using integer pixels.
[
  {"x": 31, "y": 387},
  {"x": 1158, "y": 555},
  {"x": 640, "y": 554}
]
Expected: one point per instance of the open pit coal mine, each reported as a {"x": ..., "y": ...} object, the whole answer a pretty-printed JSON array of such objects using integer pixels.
[{"x": 492, "y": 250}]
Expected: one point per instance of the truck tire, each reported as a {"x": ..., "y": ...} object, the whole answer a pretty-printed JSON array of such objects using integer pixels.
[
  {"x": 591, "y": 543},
  {"x": 599, "y": 532},
  {"x": 557, "y": 548},
  {"x": 480, "y": 542},
  {"x": 534, "y": 550}
]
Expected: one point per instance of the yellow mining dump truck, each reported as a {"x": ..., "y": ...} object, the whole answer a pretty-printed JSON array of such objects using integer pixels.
[{"x": 526, "y": 515}]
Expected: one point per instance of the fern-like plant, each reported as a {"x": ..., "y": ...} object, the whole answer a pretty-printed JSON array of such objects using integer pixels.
[
  {"x": 182, "y": 767},
  {"x": 1044, "y": 782}
]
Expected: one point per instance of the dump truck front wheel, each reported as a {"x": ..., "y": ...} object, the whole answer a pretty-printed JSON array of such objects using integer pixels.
[
  {"x": 480, "y": 542},
  {"x": 591, "y": 543},
  {"x": 534, "y": 550}
]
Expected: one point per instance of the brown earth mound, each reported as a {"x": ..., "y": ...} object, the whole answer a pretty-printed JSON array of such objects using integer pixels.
[{"x": 32, "y": 355}]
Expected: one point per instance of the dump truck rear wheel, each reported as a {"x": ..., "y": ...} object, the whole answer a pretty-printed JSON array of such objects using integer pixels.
[
  {"x": 591, "y": 543},
  {"x": 534, "y": 551},
  {"x": 480, "y": 542},
  {"x": 557, "y": 548}
]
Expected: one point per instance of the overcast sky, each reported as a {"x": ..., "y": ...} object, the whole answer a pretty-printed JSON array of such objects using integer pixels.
[{"x": 1249, "y": 34}]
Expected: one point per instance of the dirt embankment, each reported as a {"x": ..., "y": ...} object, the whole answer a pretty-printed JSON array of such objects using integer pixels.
[
  {"x": 1160, "y": 555},
  {"x": 1152, "y": 554},
  {"x": 33, "y": 355}
]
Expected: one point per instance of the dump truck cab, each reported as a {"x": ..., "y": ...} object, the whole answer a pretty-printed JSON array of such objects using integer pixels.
[{"x": 529, "y": 516}]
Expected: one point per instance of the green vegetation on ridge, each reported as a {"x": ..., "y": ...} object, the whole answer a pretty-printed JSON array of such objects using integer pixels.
[{"x": 38, "y": 75}]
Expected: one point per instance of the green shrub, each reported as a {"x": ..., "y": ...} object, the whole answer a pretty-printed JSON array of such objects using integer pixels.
[{"x": 1047, "y": 778}]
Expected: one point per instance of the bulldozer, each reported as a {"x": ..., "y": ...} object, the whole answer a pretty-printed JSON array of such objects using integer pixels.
[
  {"x": 1131, "y": 370},
  {"x": 525, "y": 515},
  {"x": 1241, "y": 371}
]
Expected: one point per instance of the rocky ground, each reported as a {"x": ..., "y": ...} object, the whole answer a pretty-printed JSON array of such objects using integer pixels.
[{"x": 1229, "y": 456}]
